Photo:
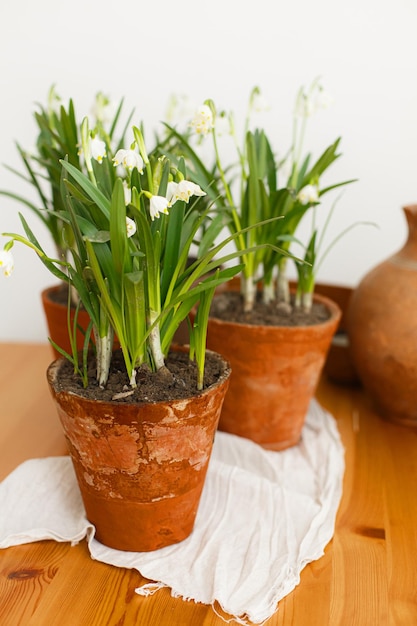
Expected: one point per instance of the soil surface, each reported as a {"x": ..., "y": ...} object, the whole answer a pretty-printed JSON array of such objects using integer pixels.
[
  {"x": 228, "y": 306},
  {"x": 60, "y": 296},
  {"x": 177, "y": 380}
]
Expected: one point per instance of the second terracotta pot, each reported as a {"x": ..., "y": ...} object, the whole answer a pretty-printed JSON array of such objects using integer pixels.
[
  {"x": 275, "y": 372},
  {"x": 56, "y": 313}
]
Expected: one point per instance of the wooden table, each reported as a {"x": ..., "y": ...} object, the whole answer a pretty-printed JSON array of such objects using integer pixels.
[{"x": 368, "y": 576}]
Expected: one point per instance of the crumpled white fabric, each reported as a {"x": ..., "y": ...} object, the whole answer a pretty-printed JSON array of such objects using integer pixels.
[{"x": 263, "y": 516}]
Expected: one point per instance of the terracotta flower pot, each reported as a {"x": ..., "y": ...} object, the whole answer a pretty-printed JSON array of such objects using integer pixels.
[
  {"x": 140, "y": 467},
  {"x": 57, "y": 320},
  {"x": 275, "y": 372},
  {"x": 382, "y": 327},
  {"x": 339, "y": 366}
]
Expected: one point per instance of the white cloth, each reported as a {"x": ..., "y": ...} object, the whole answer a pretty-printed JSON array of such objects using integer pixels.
[{"x": 263, "y": 516}]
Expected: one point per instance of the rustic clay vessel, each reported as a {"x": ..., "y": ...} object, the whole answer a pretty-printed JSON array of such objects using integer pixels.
[
  {"x": 339, "y": 367},
  {"x": 382, "y": 327},
  {"x": 57, "y": 321},
  {"x": 56, "y": 314},
  {"x": 275, "y": 372},
  {"x": 140, "y": 467}
]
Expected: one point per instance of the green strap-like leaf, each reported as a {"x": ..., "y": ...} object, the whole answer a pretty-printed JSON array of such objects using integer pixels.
[{"x": 92, "y": 192}]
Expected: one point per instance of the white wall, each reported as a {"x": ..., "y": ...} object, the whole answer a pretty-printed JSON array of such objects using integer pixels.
[{"x": 365, "y": 50}]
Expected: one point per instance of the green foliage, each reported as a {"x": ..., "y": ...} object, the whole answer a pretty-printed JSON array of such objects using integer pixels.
[
  {"x": 132, "y": 234},
  {"x": 58, "y": 137},
  {"x": 254, "y": 189}
]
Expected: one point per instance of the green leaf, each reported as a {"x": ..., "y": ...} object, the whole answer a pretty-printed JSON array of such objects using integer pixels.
[
  {"x": 325, "y": 160},
  {"x": 135, "y": 315},
  {"x": 118, "y": 234},
  {"x": 172, "y": 246},
  {"x": 92, "y": 192}
]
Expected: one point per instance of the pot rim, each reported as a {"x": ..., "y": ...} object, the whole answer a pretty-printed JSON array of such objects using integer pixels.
[
  {"x": 331, "y": 305},
  {"x": 53, "y": 370}
]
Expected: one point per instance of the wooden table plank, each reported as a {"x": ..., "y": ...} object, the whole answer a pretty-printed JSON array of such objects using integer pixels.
[
  {"x": 367, "y": 577},
  {"x": 25, "y": 574},
  {"x": 29, "y": 423}
]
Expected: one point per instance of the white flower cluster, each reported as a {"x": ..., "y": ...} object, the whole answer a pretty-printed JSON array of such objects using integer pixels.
[
  {"x": 309, "y": 103},
  {"x": 202, "y": 122},
  {"x": 98, "y": 149},
  {"x": 6, "y": 262},
  {"x": 308, "y": 194},
  {"x": 129, "y": 159},
  {"x": 130, "y": 227},
  {"x": 176, "y": 191}
]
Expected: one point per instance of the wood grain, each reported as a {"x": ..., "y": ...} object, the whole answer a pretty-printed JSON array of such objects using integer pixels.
[{"x": 367, "y": 577}]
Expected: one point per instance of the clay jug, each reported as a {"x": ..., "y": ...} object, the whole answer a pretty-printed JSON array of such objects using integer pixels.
[{"x": 382, "y": 328}]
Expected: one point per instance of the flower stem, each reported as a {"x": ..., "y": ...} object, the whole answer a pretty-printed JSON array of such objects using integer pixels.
[
  {"x": 283, "y": 289},
  {"x": 104, "y": 346},
  {"x": 249, "y": 292},
  {"x": 155, "y": 341}
]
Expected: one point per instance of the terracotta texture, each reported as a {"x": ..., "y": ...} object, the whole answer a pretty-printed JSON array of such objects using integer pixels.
[
  {"x": 140, "y": 467},
  {"x": 339, "y": 366},
  {"x": 275, "y": 372},
  {"x": 57, "y": 322},
  {"x": 382, "y": 326}
]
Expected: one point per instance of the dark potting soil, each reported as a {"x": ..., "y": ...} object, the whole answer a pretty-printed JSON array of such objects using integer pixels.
[
  {"x": 178, "y": 379},
  {"x": 228, "y": 306},
  {"x": 175, "y": 381}
]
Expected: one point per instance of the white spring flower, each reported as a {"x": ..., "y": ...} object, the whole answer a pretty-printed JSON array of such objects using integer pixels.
[
  {"x": 6, "y": 262},
  {"x": 323, "y": 99},
  {"x": 98, "y": 149},
  {"x": 223, "y": 126},
  {"x": 308, "y": 194},
  {"x": 260, "y": 103},
  {"x": 54, "y": 101},
  {"x": 309, "y": 103},
  {"x": 305, "y": 106},
  {"x": 127, "y": 193},
  {"x": 202, "y": 122},
  {"x": 129, "y": 159},
  {"x": 103, "y": 108},
  {"x": 130, "y": 227},
  {"x": 183, "y": 191},
  {"x": 158, "y": 204}
]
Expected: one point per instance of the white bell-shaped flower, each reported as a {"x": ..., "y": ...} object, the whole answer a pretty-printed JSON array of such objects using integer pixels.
[{"x": 6, "y": 262}]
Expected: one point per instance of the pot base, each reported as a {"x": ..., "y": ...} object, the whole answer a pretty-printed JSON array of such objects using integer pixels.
[
  {"x": 152, "y": 525},
  {"x": 398, "y": 419},
  {"x": 281, "y": 445}
]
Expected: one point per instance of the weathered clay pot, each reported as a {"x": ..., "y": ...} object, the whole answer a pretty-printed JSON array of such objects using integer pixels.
[
  {"x": 339, "y": 367},
  {"x": 382, "y": 327},
  {"x": 140, "y": 467},
  {"x": 56, "y": 314},
  {"x": 275, "y": 372},
  {"x": 57, "y": 321}
]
